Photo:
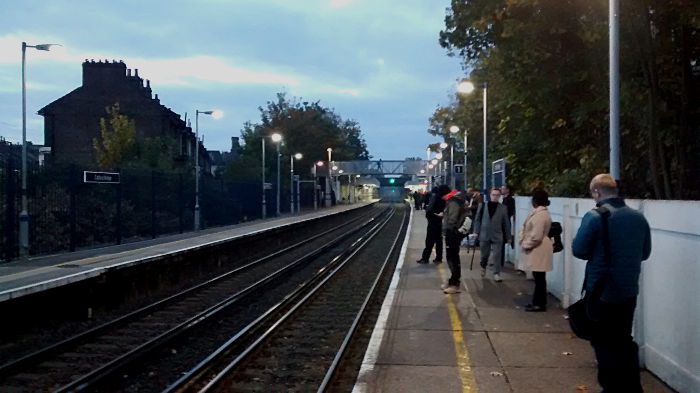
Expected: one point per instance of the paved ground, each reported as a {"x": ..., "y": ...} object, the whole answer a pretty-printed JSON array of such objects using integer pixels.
[{"x": 478, "y": 340}]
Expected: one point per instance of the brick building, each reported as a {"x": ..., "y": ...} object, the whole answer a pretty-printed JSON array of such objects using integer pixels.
[{"x": 72, "y": 121}]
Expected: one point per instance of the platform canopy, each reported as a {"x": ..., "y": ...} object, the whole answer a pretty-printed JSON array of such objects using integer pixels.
[{"x": 380, "y": 167}]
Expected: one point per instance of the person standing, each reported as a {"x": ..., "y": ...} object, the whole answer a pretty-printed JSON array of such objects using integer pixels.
[
  {"x": 617, "y": 277},
  {"x": 509, "y": 203},
  {"x": 434, "y": 213},
  {"x": 492, "y": 228},
  {"x": 537, "y": 248},
  {"x": 455, "y": 214}
]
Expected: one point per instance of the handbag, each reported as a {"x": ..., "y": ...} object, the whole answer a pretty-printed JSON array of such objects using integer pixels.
[{"x": 584, "y": 315}]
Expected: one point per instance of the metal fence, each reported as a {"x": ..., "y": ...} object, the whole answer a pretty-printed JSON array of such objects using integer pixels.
[{"x": 67, "y": 214}]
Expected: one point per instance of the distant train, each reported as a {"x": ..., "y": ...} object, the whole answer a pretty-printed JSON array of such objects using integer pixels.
[{"x": 392, "y": 194}]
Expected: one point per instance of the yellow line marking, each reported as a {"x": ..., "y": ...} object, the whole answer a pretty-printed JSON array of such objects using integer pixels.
[{"x": 463, "y": 361}]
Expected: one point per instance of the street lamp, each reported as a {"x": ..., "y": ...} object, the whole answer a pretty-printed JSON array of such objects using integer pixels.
[
  {"x": 24, "y": 214},
  {"x": 318, "y": 164},
  {"x": 328, "y": 180},
  {"x": 466, "y": 87},
  {"x": 217, "y": 115},
  {"x": 298, "y": 156},
  {"x": 277, "y": 138},
  {"x": 453, "y": 131}
]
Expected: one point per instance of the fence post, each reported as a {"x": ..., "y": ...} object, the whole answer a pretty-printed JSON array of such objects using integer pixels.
[
  {"x": 9, "y": 248},
  {"x": 72, "y": 207},
  {"x": 119, "y": 209},
  {"x": 153, "y": 204},
  {"x": 179, "y": 204}
]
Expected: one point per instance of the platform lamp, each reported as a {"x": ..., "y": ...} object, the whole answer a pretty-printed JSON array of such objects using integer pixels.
[
  {"x": 24, "y": 214},
  {"x": 328, "y": 180},
  {"x": 297, "y": 156},
  {"x": 454, "y": 130},
  {"x": 318, "y": 164},
  {"x": 277, "y": 138},
  {"x": 216, "y": 114},
  {"x": 467, "y": 87}
]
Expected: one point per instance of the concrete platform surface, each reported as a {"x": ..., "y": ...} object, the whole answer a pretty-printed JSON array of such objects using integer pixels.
[
  {"x": 478, "y": 340},
  {"x": 20, "y": 278}
]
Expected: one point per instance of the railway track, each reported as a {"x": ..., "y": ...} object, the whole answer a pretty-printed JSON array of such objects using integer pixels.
[
  {"x": 301, "y": 346},
  {"x": 91, "y": 358}
]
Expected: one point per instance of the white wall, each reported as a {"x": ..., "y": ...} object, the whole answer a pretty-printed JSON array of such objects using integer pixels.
[{"x": 667, "y": 320}]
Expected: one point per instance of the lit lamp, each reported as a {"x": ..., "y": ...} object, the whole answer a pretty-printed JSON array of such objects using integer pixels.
[
  {"x": 318, "y": 164},
  {"x": 328, "y": 180},
  {"x": 277, "y": 138},
  {"x": 466, "y": 87},
  {"x": 216, "y": 114},
  {"x": 298, "y": 156}
]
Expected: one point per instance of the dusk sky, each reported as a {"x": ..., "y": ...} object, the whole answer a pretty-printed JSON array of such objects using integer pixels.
[{"x": 375, "y": 61}]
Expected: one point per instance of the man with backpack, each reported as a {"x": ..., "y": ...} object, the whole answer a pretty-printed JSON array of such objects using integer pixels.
[
  {"x": 492, "y": 228},
  {"x": 455, "y": 214},
  {"x": 614, "y": 239}
]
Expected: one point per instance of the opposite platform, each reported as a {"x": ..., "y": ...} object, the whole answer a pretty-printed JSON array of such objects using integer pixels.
[
  {"x": 20, "y": 278},
  {"x": 478, "y": 340}
]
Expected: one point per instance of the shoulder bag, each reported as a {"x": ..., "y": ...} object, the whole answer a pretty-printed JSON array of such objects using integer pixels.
[{"x": 584, "y": 315}]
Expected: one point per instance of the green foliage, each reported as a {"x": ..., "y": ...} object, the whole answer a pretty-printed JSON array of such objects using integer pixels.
[
  {"x": 121, "y": 147},
  {"x": 118, "y": 144},
  {"x": 545, "y": 62},
  {"x": 307, "y": 128}
]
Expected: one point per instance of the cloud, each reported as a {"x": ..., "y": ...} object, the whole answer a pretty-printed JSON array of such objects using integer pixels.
[{"x": 339, "y": 3}]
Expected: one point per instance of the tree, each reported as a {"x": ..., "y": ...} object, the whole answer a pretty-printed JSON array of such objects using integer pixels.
[
  {"x": 118, "y": 143},
  {"x": 548, "y": 99},
  {"x": 120, "y": 147},
  {"x": 307, "y": 128}
]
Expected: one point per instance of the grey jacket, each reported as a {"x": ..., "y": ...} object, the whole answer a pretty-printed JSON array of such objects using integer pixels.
[
  {"x": 455, "y": 212},
  {"x": 492, "y": 228}
]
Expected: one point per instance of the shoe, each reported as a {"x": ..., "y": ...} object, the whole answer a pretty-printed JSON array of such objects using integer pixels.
[
  {"x": 451, "y": 289},
  {"x": 422, "y": 261},
  {"x": 444, "y": 286},
  {"x": 483, "y": 272},
  {"x": 531, "y": 308},
  {"x": 437, "y": 261},
  {"x": 497, "y": 277}
]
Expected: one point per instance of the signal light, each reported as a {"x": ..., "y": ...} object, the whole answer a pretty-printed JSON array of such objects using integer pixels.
[{"x": 392, "y": 181}]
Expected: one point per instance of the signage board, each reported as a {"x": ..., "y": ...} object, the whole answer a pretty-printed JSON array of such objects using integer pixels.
[
  {"x": 100, "y": 177},
  {"x": 459, "y": 168},
  {"x": 498, "y": 173},
  {"x": 267, "y": 186}
]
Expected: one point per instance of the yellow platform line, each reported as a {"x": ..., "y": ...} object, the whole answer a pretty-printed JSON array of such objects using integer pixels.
[{"x": 463, "y": 362}]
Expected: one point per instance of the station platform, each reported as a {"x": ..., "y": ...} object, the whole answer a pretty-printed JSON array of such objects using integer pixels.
[
  {"x": 20, "y": 278},
  {"x": 478, "y": 340}
]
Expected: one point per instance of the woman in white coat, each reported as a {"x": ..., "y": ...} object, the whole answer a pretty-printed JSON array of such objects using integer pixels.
[{"x": 537, "y": 248}]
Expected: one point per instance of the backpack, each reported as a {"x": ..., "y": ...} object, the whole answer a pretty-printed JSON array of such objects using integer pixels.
[{"x": 555, "y": 233}]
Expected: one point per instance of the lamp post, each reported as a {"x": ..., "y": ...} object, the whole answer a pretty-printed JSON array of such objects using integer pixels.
[
  {"x": 217, "y": 115},
  {"x": 318, "y": 164},
  {"x": 328, "y": 180},
  {"x": 454, "y": 130},
  {"x": 443, "y": 146},
  {"x": 277, "y": 138},
  {"x": 24, "y": 214},
  {"x": 614, "y": 65},
  {"x": 466, "y": 87},
  {"x": 298, "y": 156}
]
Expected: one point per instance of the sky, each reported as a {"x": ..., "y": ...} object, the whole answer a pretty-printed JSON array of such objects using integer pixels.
[{"x": 375, "y": 61}]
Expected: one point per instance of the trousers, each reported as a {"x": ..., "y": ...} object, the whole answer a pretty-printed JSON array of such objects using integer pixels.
[
  {"x": 485, "y": 247},
  {"x": 452, "y": 240},
  {"x": 539, "y": 297},
  {"x": 615, "y": 350},
  {"x": 433, "y": 239}
]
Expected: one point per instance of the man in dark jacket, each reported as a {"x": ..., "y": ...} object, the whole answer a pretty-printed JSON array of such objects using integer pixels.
[
  {"x": 630, "y": 243},
  {"x": 434, "y": 215},
  {"x": 455, "y": 212},
  {"x": 492, "y": 227}
]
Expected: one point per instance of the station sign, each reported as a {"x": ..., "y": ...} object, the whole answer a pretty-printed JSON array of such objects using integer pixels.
[
  {"x": 498, "y": 173},
  {"x": 459, "y": 168},
  {"x": 267, "y": 186},
  {"x": 101, "y": 177}
]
